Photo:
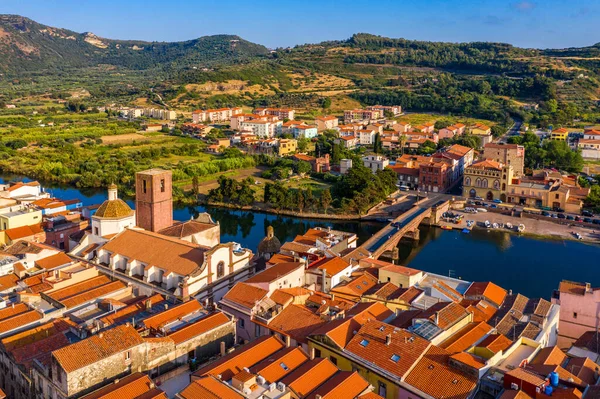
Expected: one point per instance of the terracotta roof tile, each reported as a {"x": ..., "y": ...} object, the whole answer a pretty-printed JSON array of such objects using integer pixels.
[
  {"x": 297, "y": 321},
  {"x": 397, "y": 357},
  {"x": 209, "y": 388},
  {"x": 172, "y": 314},
  {"x": 333, "y": 265},
  {"x": 199, "y": 327},
  {"x": 275, "y": 272},
  {"x": 469, "y": 359},
  {"x": 549, "y": 356},
  {"x": 488, "y": 290},
  {"x": 344, "y": 384},
  {"x": 97, "y": 347},
  {"x": 280, "y": 364},
  {"x": 184, "y": 229},
  {"x": 245, "y": 356},
  {"x": 444, "y": 314},
  {"x": 309, "y": 376},
  {"x": 495, "y": 343},
  {"x": 466, "y": 337},
  {"x": 8, "y": 281},
  {"x": 134, "y": 386},
  {"x": 245, "y": 294},
  {"x": 433, "y": 376},
  {"x": 19, "y": 320},
  {"x": 169, "y": 254},
  {"x": 53, "y": 261},
  {"x": 23, "y": 231},
  {"x": 92, "y": 294}
]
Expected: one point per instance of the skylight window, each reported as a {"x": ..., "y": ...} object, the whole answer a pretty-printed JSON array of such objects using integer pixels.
[
  {"x": 395, "y": 358},
  {"x": 284, "y": 366},
  {"x": 364, "y": 342}
]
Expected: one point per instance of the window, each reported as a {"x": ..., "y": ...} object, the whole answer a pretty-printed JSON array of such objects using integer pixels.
[
  {"x": 317, "y": 352},
  {"x": 95, "y": 230},
  {"x": 220, "y": 269},
  {"x": 364, "y": 342},
  {"x": 333, "y": 360},
  {"x": 128, "y": 355},
  {"x": 284, "y": 366},
  {"x": 144, "y": 186},
  {"x": 382, "y": 391},
  {"x": 395, "y": 358},
  {"x": 574, "y": 315},
  {"x": 389, "y": 279},
  {"x": 556, "y": 196},
  {"x": 162, "y": 185},
  {"x": 256, "y": 331},
  {"x": 242, "y": 323},
  {"x": 467, "y": 181}
]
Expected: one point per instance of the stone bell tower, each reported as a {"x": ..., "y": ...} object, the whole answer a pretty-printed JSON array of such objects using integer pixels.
[{"x": 154, "y": 199}]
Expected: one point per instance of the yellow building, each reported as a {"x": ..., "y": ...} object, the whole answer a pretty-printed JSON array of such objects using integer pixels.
[
  {"x": 559, "y": 134},
  {"x": 487, "y": 179},
  {"x": 287, "y": 146},
  {"x": 11, "y": 217}
]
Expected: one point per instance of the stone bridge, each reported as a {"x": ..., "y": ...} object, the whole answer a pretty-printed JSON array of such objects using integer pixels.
[{"x": 406, "y": 224}]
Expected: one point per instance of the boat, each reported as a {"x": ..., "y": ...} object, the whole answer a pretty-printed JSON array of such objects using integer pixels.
[
  {"x": 521, "y": 228},
  {"x": 466, "y": 231},
  {"x": 487, "y": 224},
  {"x": 578, "y": 236},
  {"x": 508, "y": 225},
  {"x": 495, "y": 225},
  {"x": 446, "y": 227}
]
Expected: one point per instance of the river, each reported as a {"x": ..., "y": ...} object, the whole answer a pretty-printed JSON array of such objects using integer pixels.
[{"x": 530, "y": 266}]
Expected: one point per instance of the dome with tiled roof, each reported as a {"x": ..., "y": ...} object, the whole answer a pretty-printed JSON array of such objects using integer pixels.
[
  {"x": 270, "y": 244},
  {"x": 113, "y": 207}
]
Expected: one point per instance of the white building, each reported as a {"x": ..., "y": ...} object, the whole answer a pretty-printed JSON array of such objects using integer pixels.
[
  {"x": 375, "y": 162},
  {"x": 113, "y": 216},
  {"x": 366, "y": 137}
]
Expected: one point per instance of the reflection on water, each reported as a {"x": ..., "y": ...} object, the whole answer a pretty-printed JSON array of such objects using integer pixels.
[{"x": 530, "y": 266}]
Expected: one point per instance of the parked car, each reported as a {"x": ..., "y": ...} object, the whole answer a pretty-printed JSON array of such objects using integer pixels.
[
  {"x": 587, "y": 213},
  {"x": 493, "y": 206},
  {"x": 578, "y": 218},
  {"x": 596, "y": 221},
  {"x": 569, "y": 217},
  {"x": 556, "y": 209},
  {"x": 478, "y": 203},
  {"x": 404, "y": 188},
  {"x": 497, "y": 201},
  {"x": 479, "y": 198},
  {"x": 545, "y": 213},
  {"x": 561, "y": 216},
  {"x": 554, "y": 216},
  {"x": 587, "y": 220}
]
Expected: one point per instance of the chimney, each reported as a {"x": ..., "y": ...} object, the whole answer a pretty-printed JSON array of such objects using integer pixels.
[
  {"x": 388, "y": 339},
  {"x": 287, "y": 341},
  {"x": 222, "y": 348},
  {"x": 588, "y": 288},
  {"x": 312, "y": 353}
]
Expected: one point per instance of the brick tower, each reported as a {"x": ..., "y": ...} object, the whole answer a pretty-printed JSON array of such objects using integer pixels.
[{"x": 153, "y": 199}]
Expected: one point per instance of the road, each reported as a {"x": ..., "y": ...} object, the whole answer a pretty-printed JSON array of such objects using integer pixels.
[{"x": 512, "y": 131}]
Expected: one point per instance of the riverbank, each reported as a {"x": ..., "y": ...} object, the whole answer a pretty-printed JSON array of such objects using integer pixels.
[
  {"x": 534, "y": 228},
  {"x": 261, "y": 207}
]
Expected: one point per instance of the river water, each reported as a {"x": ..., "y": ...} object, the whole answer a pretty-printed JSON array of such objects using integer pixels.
[{"x": 530, "y": 266}]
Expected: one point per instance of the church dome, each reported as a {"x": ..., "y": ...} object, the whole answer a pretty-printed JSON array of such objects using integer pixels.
[
  {"x": 270, "y": 244},
  {"x": 113, "y": 207}
]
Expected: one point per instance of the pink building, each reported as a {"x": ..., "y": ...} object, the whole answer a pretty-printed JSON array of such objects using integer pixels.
[{"x": 579, "y": 311}]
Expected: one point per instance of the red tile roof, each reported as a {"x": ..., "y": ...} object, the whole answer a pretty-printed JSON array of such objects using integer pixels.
[
  {"x": 495, "y": 343},
  {"x": 344, "y": 384},
  {"x": 200, "y": 327},
  {"x": 97, "y": 347},
  {"x": 396, "y": 356},
  {"x": 245, "y": 356},
  {"x": 309, "y": 376},
  {"x": 488, "y": 290},
  {"x": 466, "y": 337},
  {"x": 296, "y": 321},
  {"x": 209, "y": 388},
  {"x": 174, "y": 313},
  {"x": 134, "y": 386},
  {"x": 435, "y": 378},
  {"x": 245, "y": 295},
  {"x": 333, "y": 265},
  {"x": 275, "y": 272},
  {"x": 273, "y": 370},
  {"x": 53, "y": 261}
]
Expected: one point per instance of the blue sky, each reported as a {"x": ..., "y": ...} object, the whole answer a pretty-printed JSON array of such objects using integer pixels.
[{"x": 525, "y": 23}]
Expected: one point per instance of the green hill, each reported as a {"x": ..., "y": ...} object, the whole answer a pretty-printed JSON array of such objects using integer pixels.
[{"x": 26, "y": 45}]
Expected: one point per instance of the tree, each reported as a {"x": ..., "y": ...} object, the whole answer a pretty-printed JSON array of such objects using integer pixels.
[
  {"x": 196, "y": 185},
  {"x": 303, "y": 167},
  {"x": 326, "y": 103},
  {"x": 593, "y": 199},
  {"x": 326, "y": 199},
  {"x": 377, "y": 145},
  {"x": 232, "y": 152},
  {"x": 300, "y": 201},
  {"x": 302, "y": 144}
]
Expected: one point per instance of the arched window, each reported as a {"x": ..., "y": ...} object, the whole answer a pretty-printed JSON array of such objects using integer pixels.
[
  {"x": 478, "y": 182},
  {"x": 496, "y": 184},
  {"x": 467, "y": 181},
  {"x": 220, "y": 269},
  {"x": 484, "y": 183}
]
